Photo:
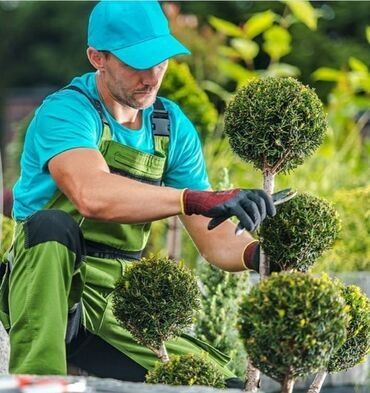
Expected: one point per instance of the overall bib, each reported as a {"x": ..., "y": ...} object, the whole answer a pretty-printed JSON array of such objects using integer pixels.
[{"x": 56, "y": 300}]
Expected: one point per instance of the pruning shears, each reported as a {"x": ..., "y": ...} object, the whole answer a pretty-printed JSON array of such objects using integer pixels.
[{"x": 278, "y": 198}]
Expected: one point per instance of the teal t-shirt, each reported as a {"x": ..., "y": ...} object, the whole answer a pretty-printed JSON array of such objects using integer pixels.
[{"x": 67, "y": 120}]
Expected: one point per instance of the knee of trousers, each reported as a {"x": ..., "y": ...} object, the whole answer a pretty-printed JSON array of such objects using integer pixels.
[{"x": 55, "y": 225}]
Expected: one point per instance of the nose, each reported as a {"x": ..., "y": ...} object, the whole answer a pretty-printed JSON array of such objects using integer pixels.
[{"x": 151, "y": 76}]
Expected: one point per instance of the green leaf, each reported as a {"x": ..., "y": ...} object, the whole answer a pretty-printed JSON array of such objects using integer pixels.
[
  {"x": 247, "y": 49},
  {"x": 228, "y": 52},
  {"x": 216, "y": 89},
  {"x": 357, "y": 65},
  {"x": 368, "y": 34},
  {"x": 304, "y": 12},
  {"x": 225, "y": 27},
  {"x": 277, "y": 42},
  {"x": 235, "y": 71},
  {"x": 282, "y": 70},
  {"x": 258, "y": 23},
  {"x": 327, "y": 74}
]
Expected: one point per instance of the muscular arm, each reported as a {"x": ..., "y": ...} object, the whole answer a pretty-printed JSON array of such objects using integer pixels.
[
  {"x": 220, "y": 246},
  {"x": 84, "y": 177}
]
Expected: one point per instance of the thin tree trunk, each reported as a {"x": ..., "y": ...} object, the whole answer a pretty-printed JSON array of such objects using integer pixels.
[
  {"x": 268, "y": 181},
  {"x": 253, "y": 374},
  {"x": 317, "y": 382},
  {"x": 288, "y": 384},
  {"x": 252, "y": 382},
  {"x": 268, "y": 186},
  {"x": 174, "y": 238},
  {"x": 161, "y": 353}
]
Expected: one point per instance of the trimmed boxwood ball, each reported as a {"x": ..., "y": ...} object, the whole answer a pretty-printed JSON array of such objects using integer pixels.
[
  {"x": 302, "y": 229},
  {"x": 275, "y": 123},
  {"x": 156, "y": 299},
  {"x": 186, "y": 370},
  {"x": 357, "y": 344},
  {"x": 291, "y": 323}
]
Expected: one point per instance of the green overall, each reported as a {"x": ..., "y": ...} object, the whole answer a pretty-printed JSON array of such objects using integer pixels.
[{"x": 50, "y": 275}]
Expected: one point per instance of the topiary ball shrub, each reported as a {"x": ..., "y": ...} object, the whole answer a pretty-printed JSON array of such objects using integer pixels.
[
  {"x": 155, "y": 300},
  {"x": 291, "y": 323},
  {"x": 302, "y": 229},
  {"x": 357, "y": 344},
  {"x": 186, "y": 370},
  {"x": 275, "y": 123}
]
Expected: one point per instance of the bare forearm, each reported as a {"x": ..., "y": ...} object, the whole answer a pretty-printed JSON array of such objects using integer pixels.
[
  {"x": 115, "y": 198},
  {"x": 220, "y": 246}
]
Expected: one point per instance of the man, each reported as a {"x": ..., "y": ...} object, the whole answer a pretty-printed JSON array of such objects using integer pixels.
[{"x": 94, "y": 158}]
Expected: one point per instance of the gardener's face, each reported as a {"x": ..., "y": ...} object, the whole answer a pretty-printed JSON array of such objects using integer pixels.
[{"x": 131, "y": 87}]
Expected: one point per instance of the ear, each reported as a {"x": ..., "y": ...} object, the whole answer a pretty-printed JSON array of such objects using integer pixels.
[{"x": 96, "y": 58}]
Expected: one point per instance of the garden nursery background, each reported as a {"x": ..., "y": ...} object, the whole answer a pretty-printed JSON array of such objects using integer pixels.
[{"x": 325, "y": 45}]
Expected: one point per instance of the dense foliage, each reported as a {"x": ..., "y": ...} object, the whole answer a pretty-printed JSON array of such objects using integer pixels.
[
  {"x": 221, "y": 293},
  {"x": 6, "y": 234},
  {"x": 180, "y": 86},
  {"x": 302, "y": 229},
  {"x": 155, "y": 300},
  {"x": 275, "y": 123},
  {"x": 291, "y": 323},
  {"x": 351, "y": 251},
  {"x": 186, "y": 370},
  {"x": 357, "y": 344}
]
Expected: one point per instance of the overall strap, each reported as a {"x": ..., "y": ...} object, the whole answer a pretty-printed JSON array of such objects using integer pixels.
[
  {"x": 160, "y": 119},
  {"x": 106, "y": 132},
  {"x": 160, "y": 128},
  {"x": 96, "y": 103}
]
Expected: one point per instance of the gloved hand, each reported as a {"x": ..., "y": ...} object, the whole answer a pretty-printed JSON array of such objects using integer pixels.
[{"x": 249, "y": 206}]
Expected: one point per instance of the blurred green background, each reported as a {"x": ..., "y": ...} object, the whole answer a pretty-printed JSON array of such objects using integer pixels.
[{"x": 323, "y": 44}]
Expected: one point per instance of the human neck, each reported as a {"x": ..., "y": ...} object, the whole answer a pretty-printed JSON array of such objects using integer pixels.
[{"x": 123, "y": 114}]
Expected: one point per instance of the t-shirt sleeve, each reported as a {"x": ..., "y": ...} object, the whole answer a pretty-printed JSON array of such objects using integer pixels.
[
  {"x": 65, "y": 121},
  {"x": 186, "y": 167}
]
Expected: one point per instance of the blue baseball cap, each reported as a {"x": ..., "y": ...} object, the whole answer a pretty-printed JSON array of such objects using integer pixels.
[{"x": 136, "y": 32}]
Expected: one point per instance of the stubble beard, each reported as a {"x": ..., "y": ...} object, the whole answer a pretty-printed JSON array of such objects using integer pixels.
[{"x": 129, "y": 100}]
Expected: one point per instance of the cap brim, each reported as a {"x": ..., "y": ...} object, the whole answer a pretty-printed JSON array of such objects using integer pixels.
[{"x": 149, "y": 53}]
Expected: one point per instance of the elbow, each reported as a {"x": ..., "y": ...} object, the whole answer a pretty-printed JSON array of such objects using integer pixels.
[{"x": 88, "y": 206}]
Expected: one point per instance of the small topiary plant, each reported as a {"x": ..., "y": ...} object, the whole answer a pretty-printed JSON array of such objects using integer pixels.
[
  {"x": 357, "y": 344},
  {"x": 291, "y": 324},
  {"x": 187, "y": 370},
  {"x": 155, "y": 300},
  {"x": 275, "y": 123},
  {"x": 300, "y": 232}
]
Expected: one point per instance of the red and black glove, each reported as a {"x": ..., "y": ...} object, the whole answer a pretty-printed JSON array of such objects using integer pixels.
[{"x": 250, "y": 206}]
